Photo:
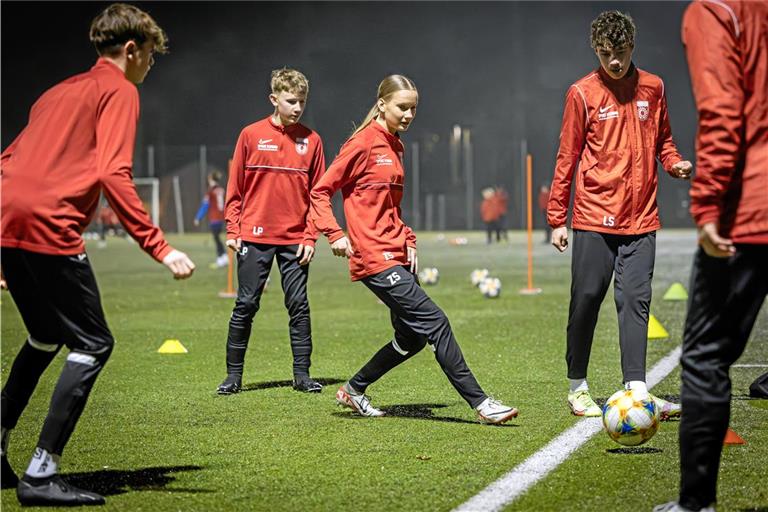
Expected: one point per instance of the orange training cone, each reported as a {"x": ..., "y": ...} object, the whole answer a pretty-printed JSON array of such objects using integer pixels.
[{"x": 732, "y": 437}]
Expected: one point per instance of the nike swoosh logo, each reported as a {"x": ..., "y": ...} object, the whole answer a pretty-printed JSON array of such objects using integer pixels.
[
  {"x": 264, "y": 141},
  {"x": 604, "y": 109}
]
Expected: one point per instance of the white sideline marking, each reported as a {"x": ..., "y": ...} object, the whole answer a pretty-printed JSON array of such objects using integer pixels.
[
  {"x": 510, "y": 486},
  {"x": 749, "y": 366}
]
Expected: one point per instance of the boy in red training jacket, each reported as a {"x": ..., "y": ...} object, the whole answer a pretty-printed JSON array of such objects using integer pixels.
[
  {"x": 615, "y": 127},
  {"x": 78, "y": 143},
  {"x": 276, "y": 162}
]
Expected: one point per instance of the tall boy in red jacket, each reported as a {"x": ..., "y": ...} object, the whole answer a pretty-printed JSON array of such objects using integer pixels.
[
  {"x": 276, "y": 162},
  {"x": 78, "y": 143},
  {"x": 615, "y": 126}
]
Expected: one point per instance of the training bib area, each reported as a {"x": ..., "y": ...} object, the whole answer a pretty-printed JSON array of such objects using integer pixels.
[{"x": 155, "y": 436}]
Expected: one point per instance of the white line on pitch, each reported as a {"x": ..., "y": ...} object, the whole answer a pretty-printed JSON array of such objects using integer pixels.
[
  {"x": 749, "y": 366},
  {"x": 510, "y": 486}
]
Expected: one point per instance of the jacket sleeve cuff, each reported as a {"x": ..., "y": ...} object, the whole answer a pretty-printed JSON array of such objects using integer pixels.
[
  {"x": 162, "y": 253},
  {"x": 309, "y": 242},
  {"x": 335, "y": 236}
]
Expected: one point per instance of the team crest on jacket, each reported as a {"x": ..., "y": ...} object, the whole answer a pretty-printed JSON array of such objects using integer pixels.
[
  {"x": 642, "y": 110},
  {"x": 301, "y": 146}
]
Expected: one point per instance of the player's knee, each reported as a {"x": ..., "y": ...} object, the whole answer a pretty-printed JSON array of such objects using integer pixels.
[
  {"x": 297, "y": 306},
  {"x": 409, "y": 346},
  {"x": 43, "y": 346},
  {"x": 246, "y": 307}
]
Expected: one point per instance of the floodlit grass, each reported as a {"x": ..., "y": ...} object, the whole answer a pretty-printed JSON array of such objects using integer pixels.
[{"x": 155, "y": 436}]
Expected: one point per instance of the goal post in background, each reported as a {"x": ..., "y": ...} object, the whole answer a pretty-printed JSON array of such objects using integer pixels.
[{"x": 149, "y": 193}]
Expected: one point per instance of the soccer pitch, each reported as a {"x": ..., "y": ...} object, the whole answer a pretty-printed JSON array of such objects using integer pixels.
[{"x": 156, "y": 437}]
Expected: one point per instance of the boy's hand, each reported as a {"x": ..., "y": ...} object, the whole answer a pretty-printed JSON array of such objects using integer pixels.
[
  {"x": 682, "y": 169},
  {"x": 179, "y": 263},
  {"x": 196, "y": 222},
  {"x": 712, "y": 243},
  {"x": 305, "y": 254},
  {"x": 560, "y": 238},
  {"x": 235, "y": 244},
  {"x": 413, "y": 259},
  {"x": 342, "y": 248}
]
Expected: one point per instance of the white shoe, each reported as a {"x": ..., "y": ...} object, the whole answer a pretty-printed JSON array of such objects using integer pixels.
[
  {"x": 674, "y": 506},
  {"x": 222, "y": 261},
  {"x": 494, "y": 412},
  {"x": 358, "y": 402}
]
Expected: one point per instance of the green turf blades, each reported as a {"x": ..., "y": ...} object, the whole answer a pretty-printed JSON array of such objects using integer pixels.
[{"x": 170, "y": 443}]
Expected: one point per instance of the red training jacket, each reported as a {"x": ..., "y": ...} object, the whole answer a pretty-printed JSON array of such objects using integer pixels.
[
  {"x": 726, "y": 43},
  {"x": 216, "y": 196},
  {"x": 369, "y": 172},
  {"x": 614, "y": 130},
  {"x": 78, "y": 142},
  {"x": 273, "y": 169}
]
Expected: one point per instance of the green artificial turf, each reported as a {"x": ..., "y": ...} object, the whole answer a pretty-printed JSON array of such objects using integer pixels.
[{"x": 156, "y": 437}]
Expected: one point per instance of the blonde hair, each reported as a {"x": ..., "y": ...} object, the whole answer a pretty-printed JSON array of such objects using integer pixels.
[
  {"x": 389, "y": 86},
  {"x": 120, "y": 23},
  {"x": 289, "y": 80}
]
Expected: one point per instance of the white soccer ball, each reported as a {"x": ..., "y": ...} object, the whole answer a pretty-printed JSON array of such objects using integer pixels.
[
  {"x": 490, "y": 287},
  {"x": 629, "y": 418},
  {"x": 429, "y": 275},
  {"x": 478, "y": 275}
]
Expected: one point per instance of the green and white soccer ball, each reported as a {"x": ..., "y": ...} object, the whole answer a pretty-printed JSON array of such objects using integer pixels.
[
  {"x": 429, "y": 275},
  {"x": 490, "y": 287},
  {"x": 478, "y": 275},
  {"x": 630, "y": 419}
]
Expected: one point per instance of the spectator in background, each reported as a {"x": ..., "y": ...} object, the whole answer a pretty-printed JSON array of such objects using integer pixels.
[
  {"x": 543, "y": 199},
  {"x": 502, "y": 200},
  {"x": 489, "y": 212},
  {"x": 213, "y": 205}
]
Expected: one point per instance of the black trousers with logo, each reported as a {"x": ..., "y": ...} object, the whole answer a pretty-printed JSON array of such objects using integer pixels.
[
  {"x": 417, "y": 322},
  {"x": 629, "y": 260},
  {"x": 725, "y": 298},
  {"x": 254, "y": 262},
  {"x": 58, "y": 299}
]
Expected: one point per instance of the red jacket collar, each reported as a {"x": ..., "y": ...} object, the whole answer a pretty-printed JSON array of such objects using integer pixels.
[
  {"x": 103, "y": 63},
  {"x": 280, "y": 128},
  {"x": 393, "y": 139},
  {"x": 628, "y": 80}
]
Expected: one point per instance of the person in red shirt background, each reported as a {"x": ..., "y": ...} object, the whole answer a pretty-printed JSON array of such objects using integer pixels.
[
  {"x": 615, "y": 126},
  {"x": 543, "y": 199},
  {"x": 78, "y": 143},
  {"x": 276, "y": 162},
  {"x": 213, "y": 205},
  {"x": 382, "y": 251},
  {"x": 726, "y": 44},
  {"x": 490, "y": 214}
]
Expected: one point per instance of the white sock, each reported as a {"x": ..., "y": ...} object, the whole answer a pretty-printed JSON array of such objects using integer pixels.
[
  {"x": 43, "y": 464},
  {"x": 4, "y": 440},
  {"x": 578, "y": 385},
  {"x": 637, "y": 385}
]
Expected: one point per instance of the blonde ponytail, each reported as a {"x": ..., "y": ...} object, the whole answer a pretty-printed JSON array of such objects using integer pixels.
[{"x": 389, "y": 86}]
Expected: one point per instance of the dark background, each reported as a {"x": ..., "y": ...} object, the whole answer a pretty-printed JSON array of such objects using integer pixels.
[{"x": 498, "y": 68}]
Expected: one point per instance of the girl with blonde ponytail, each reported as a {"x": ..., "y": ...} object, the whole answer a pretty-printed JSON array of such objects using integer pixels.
[{"x": 382, "y": 251}]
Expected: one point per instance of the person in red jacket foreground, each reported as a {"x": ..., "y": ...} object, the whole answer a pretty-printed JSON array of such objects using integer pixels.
[
  {"x": 79, "y": 142},
  {"x": 276, "y": 162},
  {"x": 213, "y": 205},
  {"x": 382, "y": 251},
  {"x": 726, "y": 44},
  {"x": 615, "y": 126}
]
